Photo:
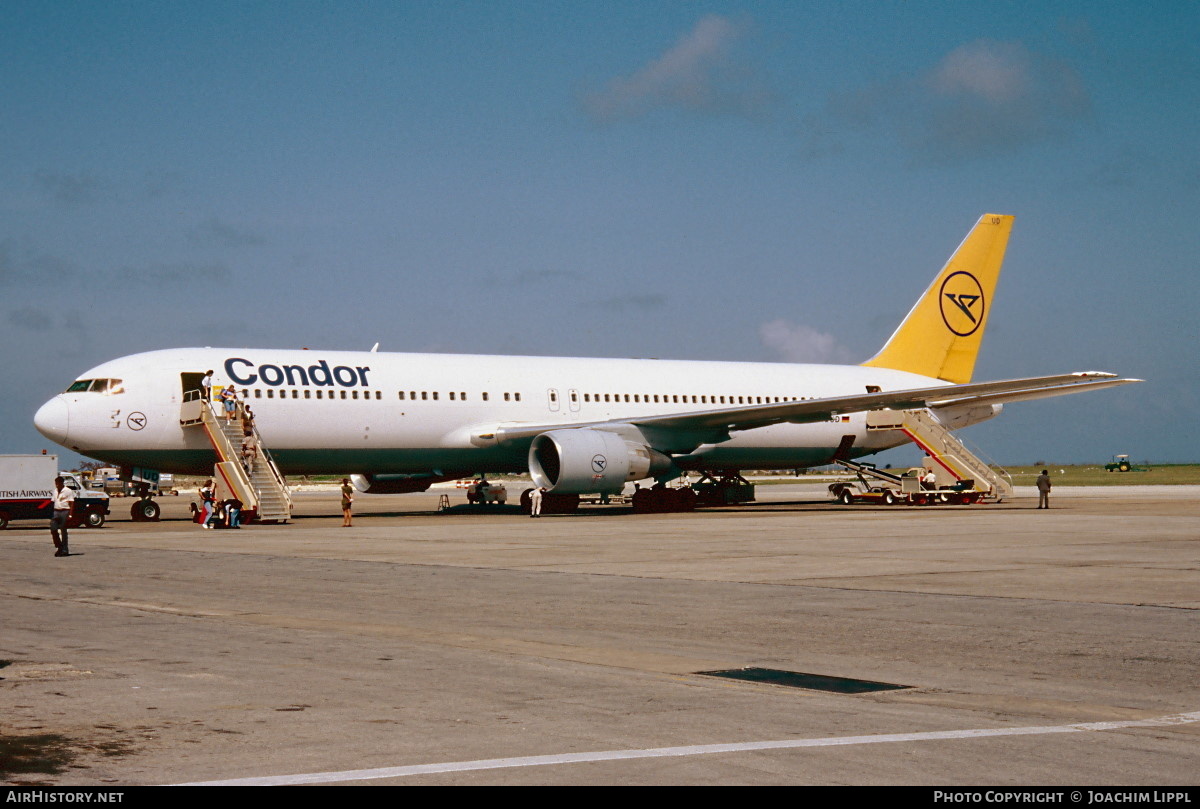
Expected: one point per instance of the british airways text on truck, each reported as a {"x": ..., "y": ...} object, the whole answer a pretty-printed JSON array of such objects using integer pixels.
[{"x": 27, "y": 492}]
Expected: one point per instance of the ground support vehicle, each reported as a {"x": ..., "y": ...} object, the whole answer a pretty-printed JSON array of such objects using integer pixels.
[
  {"x": 904, "y": 488},
  {"x": 482, "y": 493},
  {"x": 27, "y": 492}
]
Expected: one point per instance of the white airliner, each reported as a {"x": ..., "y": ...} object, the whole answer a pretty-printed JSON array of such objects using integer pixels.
[{"x": 400, "y": 422}]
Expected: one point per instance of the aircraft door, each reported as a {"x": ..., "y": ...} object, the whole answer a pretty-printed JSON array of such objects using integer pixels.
[
  {"x": 573, "y": 400},
  {"x": 190, "y": 382},
  {"x": 552, "y": 399}
]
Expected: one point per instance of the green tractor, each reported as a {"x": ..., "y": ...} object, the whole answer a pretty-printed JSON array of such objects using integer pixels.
[{"x": 1120, "y": 463}]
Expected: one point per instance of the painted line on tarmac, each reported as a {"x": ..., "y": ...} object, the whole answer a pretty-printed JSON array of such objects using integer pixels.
[{"x": 693, "y": 750}]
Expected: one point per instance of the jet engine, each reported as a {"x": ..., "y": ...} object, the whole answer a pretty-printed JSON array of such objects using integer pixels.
[{"x": 587, "y": 461}]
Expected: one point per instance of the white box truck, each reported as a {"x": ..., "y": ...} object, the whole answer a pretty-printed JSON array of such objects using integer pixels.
[{"x": 27, "y": 492}]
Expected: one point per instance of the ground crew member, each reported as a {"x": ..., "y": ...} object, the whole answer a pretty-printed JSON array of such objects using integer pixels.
[
  {"x": 535, "y": 502},
  {"x": 1043, "y": 487},
  {"x": 64, "y": 504}
]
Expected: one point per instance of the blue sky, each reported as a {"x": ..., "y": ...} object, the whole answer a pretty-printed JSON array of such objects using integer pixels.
[{"x": 702, "y": 180}]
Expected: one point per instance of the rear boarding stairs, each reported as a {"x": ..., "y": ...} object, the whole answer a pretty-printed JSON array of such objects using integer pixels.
[{"x": 962, "y": 477}]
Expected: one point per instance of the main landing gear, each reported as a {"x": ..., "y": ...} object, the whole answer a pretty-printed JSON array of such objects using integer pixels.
[
  {"x": 659, "y": 499},
  {"x": 551, "y": 503}
]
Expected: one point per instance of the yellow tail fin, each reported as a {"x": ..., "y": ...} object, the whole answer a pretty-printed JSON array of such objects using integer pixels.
[{"x": 940, "y": 337}]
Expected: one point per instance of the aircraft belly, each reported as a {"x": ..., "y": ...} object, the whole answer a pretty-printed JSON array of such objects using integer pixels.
[{"x": 782, "y": 446}]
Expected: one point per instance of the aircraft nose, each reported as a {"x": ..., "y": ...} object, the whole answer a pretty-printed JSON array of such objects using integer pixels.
[{"x": 53, "y": 420}]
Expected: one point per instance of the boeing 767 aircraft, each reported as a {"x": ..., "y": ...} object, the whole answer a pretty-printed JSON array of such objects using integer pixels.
[{"x": 400, "y": 422}]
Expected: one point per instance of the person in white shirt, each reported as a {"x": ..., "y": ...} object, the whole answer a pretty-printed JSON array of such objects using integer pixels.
[{"x": 64, "y": 504}]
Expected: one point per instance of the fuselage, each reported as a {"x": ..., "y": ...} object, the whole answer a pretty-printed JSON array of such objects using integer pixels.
[{"x": 341, "y": 412}]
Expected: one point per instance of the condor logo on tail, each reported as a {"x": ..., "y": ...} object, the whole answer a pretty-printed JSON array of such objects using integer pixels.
[{"x": 962, "y": 303}]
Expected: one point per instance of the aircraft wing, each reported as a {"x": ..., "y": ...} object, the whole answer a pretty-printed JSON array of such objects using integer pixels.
[{"x": 682, "y": 432}]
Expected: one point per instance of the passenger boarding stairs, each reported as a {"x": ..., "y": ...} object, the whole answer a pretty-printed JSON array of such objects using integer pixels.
[
  {"x": 261, "y": 488},
  {"x": 950, "y": 456}
]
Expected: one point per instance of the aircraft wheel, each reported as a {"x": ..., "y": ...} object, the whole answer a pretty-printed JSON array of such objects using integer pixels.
[
  {"x": 144, "y": 511},
  {"x": 687, "y": 500},
  {"x": 643, "y": 501},
  {"x": 94, "y": 519},
  {"x": 560, "y": 503}
]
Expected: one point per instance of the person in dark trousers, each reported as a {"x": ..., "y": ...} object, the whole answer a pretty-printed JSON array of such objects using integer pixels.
[
  {"x": 1043, "y": 487},
  {"x": 64, "y": 504}
]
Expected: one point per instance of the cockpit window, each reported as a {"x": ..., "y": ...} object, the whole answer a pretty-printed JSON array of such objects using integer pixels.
[{"x": 109, "y": 386}]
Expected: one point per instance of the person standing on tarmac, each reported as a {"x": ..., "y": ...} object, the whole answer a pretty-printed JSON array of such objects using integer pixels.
[
  {"x": 64, "y": 504},
  {"x": 1043, "y": 487},
  {"x": 347, "y": 503},
  {"x": 535, "y": 502}
]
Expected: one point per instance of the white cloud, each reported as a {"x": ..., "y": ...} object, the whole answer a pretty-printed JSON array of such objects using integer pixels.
[
  {"x": 798, "y": 343},
  {"x": 695, "y": 74},
  {"x": 981, "y": 98},
  {"x": 997, "y": 72}
]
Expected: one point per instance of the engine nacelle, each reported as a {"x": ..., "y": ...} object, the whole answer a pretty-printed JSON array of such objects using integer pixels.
[
  {"x": 393, "y": 484},
  {"x": 587, "y": 461}
]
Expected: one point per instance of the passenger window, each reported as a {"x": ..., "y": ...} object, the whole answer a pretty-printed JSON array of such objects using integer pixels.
[
  {"x": 435, "y": 394},
  {"x": 353, "y": 394},
  {"x": 307, "y": 393},
  {"x": 318, "y": 394},
  {"x": 425, "y": 395},
  {"x": 517, "y": 396},
  {"x": 378, "y": 395},
  {"x": 485, "y": 396},
  {"x": 270, "y": 393},
  {"x": 401, "y": 395}
]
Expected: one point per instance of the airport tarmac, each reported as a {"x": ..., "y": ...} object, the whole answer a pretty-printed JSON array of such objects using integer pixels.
[{"x": 481, "y": 647}]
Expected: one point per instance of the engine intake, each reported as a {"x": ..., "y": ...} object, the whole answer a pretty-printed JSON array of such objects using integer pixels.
[{"x": 587, "y": 461}]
